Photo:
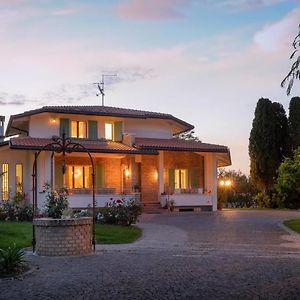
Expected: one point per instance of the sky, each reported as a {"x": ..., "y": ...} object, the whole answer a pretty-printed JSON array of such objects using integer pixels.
[{"x": 204, "y": 61}]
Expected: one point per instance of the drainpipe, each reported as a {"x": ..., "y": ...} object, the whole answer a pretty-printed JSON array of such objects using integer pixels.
[{"x": 2, "y": 121}]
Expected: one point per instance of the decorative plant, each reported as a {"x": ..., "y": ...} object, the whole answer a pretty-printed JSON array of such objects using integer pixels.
[
  {"x": 56, "y": 203},
  {"x": 11, "y": 260},
  {"x": 83, "y": 213},
  {"x": 67, "y": 213},
  {"x": 17, "y": 209},
  {"x": 119, "y": 212},
  {"x": 136, "y": 187},
  {"x": 171, "y": 204}
]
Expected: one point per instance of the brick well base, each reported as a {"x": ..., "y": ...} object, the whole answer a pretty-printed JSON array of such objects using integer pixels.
[{"x": 63, "y": 237}]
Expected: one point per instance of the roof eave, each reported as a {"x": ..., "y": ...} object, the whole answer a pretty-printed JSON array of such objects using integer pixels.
[{"x": 119, "y": 151}]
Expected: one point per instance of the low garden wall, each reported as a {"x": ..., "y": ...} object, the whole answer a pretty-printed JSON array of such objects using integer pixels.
[{"x": 63, "y": 237}]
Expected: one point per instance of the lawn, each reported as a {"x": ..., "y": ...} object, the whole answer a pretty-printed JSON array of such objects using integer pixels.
[
  {"x": 293, "y": 224},
  {"x": 112, "y": 234},
  {"x": 21, "y": 234}
]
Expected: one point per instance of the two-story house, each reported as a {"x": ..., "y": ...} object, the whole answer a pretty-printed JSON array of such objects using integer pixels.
[{"x": 134, "y": 152}]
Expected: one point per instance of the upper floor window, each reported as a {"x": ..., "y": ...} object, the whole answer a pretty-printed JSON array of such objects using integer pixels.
[
  {"x": 19, "y": 178},
  {"x": 108, "y": 131},
  {"x": 78, "y": 129},
  {"x": 5, "y": 188}
]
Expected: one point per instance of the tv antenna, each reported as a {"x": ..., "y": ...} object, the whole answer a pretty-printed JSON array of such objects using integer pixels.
[{"x": 100, "y": 86}]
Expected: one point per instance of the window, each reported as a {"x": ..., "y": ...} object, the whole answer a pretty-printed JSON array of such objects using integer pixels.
[
  {"x": 79, "y": 177},
  {"x": 19, "y": 178},
  {"x": 5, "y": 189},
  {"x": 108, "y": 131},
  {"x": 181, "y": 178},
  {"x": 78, "y": 129}
]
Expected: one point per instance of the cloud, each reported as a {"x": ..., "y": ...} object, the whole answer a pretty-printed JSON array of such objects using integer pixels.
[
  {"x": 66, "y": 11},
  {"x": 151, "y": 10},
  {"x": 280, "y": 34},
  {"x": 238, "y": 5},
  {"x": 14, "y": 99}
]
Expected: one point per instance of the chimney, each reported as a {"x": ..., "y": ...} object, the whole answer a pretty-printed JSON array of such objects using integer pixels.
[
  {"x": 2, "y": 120},
  {"x": 128, "y": 139}
]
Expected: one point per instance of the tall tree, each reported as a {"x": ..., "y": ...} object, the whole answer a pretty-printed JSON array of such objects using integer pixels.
[
  {"x": 187, "y": 135},
  {"x": 294, "y": 123},
  {"x": 267, "y": 143},
  {"x": 294, "y": 72}
]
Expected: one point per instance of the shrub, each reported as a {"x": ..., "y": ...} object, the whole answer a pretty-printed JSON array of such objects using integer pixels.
[
  {"x": 83, "y": 213},
  {"x": 263, "y": 201},
  {"x": 11, "y": 260},
  {"x": 119, "y": 212},
  {"x": 288, "y": 182},
  {"x": 17, "y": 209},
  {"x": 56, "y": 203}
]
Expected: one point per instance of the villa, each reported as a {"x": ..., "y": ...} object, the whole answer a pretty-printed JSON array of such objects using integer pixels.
[{"x": 134, "y": 152}]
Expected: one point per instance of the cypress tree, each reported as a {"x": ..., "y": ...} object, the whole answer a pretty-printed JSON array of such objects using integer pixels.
[
  {"x": 294, "y": 123},
  {"x": 267, "y": 143}
]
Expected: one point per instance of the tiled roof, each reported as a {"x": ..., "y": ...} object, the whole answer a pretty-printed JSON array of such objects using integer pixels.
[
  {"x": 95, "y": 146},
  {"x": 178, "y": 145},
  {"x": 101, "y": 111}
]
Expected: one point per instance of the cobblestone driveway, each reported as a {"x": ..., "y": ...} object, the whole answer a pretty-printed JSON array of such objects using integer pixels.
[{"x": 223, "y": 255}]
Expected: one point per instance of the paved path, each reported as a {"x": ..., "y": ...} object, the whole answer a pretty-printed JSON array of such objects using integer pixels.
[{"x": 223, "y": 255}]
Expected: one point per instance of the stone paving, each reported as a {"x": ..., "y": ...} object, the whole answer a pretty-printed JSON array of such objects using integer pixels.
[{"x": 222, "y": 255}]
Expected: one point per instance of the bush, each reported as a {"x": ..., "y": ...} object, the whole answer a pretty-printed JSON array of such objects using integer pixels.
[
  {"x": 243, "y": 200},
  {"x": 56, "y": 203},
  {"x": 288, "y": 182},
  {"x": 17, "y": 209},
  {"x": 119, "y": 212},
  {"x": 11, "y": 260},
  {"x": 263, "y": 201}
]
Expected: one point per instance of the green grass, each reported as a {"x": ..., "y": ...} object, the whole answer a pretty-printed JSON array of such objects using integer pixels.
[
  {"x": 112, "y": 234},
  {"x": 293, "y": 224},
  {"x": 20, "y": 233}
]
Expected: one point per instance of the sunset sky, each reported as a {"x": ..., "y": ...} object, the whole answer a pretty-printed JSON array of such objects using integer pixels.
[{"x": 204, "y": 61}]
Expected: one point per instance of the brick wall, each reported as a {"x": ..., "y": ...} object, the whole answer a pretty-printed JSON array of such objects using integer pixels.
[
  {"x": 63, "y": 237},
  {"x": 149, "y": 179},
  {"x": 183, "y": 160},
  {"x": 112, "y": 168}
]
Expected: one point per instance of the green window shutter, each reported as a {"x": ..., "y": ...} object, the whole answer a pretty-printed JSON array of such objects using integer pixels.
[
  {"x": 171, "y": 180},
  {"x": 193, "y": 177},
  {"x": 64, "y": 127},
  {"x": 99, "y": 178},
  {"x": 59, "y": 179},
  {"x": 92, "y": 130},
  {"x": 118, "y": 131}
]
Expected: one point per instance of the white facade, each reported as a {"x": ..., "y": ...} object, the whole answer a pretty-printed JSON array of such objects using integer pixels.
[{"x": 47, "y": 125}]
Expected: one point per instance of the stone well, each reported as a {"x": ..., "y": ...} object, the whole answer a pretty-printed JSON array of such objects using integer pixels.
[{"x": 63, "y": 237}]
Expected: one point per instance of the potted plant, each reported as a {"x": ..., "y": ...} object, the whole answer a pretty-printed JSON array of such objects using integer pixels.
[
  {"x": 171, "y": 204},
  {"x": 136, "y": 188}
]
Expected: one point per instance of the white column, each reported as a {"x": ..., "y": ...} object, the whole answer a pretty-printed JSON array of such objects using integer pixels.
[
  {"x": 210, "y": 177},
  {"x": 48, "y": 167},
  {"x": 160, "y": 172}
]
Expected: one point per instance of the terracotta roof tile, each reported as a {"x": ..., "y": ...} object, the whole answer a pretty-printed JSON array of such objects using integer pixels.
[
  {"x": 99, "y": 111},
  {"x": 178, "y": 145},
  {"x": 96, "y": 146}
]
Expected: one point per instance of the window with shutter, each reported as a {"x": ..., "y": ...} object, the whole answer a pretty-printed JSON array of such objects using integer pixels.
[
  {"x": 118, "y": 131},
  {"x": 64, "y": 127},
  {"x": 92, "y": 130}
]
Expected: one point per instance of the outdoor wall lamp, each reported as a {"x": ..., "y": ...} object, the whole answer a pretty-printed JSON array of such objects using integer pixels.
[{"x": 53, "y": 121}]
